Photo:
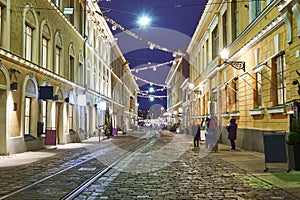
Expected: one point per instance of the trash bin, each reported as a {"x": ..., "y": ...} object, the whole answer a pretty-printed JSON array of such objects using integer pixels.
[{"x": 274, "y": 147}]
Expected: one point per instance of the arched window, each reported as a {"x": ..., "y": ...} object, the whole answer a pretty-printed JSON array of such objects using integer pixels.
[
  {"x": 80, "y": 70},
  {"x": 58, "y": 69},
  {"x": 30, "y": 36},
  {"x": 45, "y": 46},
  {"x": 30, "y": 106},
  {"x": 71, "y": 62}
]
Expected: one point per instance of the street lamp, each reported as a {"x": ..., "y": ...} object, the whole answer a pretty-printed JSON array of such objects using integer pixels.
[
  {"x": 144, "y": 21},
  {"x": 235, "y": 64},
  {"x": 296, "y": 82}
]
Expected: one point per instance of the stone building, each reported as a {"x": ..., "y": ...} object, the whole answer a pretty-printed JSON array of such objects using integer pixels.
[
  {"x": 55, "y": 71},
  {"x": 253, "y": 82}
]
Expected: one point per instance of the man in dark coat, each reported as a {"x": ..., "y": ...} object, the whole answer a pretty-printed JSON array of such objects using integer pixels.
[
  {"x": 231, "y": 128},
  {"x": 196, "y": 133}
]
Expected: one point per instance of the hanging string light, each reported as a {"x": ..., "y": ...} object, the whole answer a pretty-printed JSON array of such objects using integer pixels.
[
  {"x": 151, "y": 44},
  {"x": 149, "y": 82},
  {"x": 155, "y": 90},
  {"x": 153, "y": 67},
  {"x": 154, "y": 96}
]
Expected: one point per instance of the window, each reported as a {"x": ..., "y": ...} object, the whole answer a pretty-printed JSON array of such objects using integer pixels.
[
  {"x": 71, "y": 116},
  {"x": 28, "y": 42},
  {"x": 258, "y": 96},
  {"x": 30, "y": 35},
  {"x": 71, "y": 17},
  {"x": 3, "y": 28},
  {"x": 71, "y": 68},
  {"x": 27, "y": 115},
  {"x": 233, "y": 97},
  {"x": 225, "y": 100},
  {"x": 215, "y": 46},
  {"x": 80, "y": 75},
  {"x": 280, "y": 68},
  {"x": 58, "y": 55},
  {"x": 255, "y": 9},
  {"x": 206, "y": 54},
  {"x": 58, "y": 3},
  {"x": 236, "y": 94},
  {"x": 224, "y": 27},
  {"x": 44, "y": 115},
  {"x": 234, "y": 19},
  {"x": 71, "y": 63},
  {"x": 57, "y": 59},
  {"x": 44, "y": 52}
]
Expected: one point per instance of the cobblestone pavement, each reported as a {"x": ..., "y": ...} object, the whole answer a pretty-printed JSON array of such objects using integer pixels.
[{"x": 188, "y": 175}]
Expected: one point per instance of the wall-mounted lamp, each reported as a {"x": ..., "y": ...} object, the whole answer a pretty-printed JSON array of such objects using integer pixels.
[
  {"x": 235, "y": 64},
  {"x": 14, "y": 86},
  {"x": 296, "y": 82}
]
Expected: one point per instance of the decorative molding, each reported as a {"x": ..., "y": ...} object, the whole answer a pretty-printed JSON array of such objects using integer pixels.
[
  {"x": 235, "y": 114},
  {"x": 287, "y": 17},
  {"x": 276, "y": 109},
  {"x": 257, "y": 111},
  {"x": 225, "y": 114},
  {"x": 296, "y": 11}
]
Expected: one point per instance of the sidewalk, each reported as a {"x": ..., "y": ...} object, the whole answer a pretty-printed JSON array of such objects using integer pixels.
[
  {"x": 249, "y": 161},
  {"x": 254, "y": 163},
  {"x": 33, "y": 156}
]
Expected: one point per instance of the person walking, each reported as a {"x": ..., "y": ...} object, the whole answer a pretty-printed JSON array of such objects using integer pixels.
[
  {"x": 206, "y": 125},
  {"x": 232, "y": 128},
  {"x": 196, "y": 132},
  {"x": 212, "y": 133}
]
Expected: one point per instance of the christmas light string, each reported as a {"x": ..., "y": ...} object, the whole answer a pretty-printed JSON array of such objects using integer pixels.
[
  {"x": 152, "y": 45},
  {"x": 149, "y": 96},
  {"x": 149, "y": 82},
  {"x": 153, "y": 67},
  {"x": 156, "y": 90}
]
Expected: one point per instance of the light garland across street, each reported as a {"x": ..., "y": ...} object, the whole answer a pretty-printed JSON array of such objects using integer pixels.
[
  {"x": 153, "y": 67},
  {"x": 152, "y": 45},
  {"x": 149, "y": 82}
]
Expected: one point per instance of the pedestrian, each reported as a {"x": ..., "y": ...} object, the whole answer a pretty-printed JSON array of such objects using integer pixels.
[
  {"x": 196, "y": 133},
  {"x": 232, "y": 128},
  {"x": 212, "y": 133},
  {"x": 206, "y": 125}
]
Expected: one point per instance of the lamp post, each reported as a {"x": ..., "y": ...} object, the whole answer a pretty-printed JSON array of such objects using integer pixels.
[{"x": 235, "y": 64}]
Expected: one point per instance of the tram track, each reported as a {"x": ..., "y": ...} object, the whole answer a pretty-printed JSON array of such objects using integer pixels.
[
  {"x": 59, "y": 184},
  {"x": 77, "y": 191}
]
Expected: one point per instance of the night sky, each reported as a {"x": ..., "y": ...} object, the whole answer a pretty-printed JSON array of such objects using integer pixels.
[{"x": 172, "y": 26}]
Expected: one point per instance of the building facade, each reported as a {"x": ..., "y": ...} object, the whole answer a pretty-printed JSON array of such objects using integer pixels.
[
  {"x": 254, "y": 82},
  {"x": 55, "y": 73},
  {"x": 178, "y": 91}
]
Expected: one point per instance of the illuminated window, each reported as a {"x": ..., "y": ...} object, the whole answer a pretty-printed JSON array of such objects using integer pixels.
[
  {"x": 28, "y": 43},
  {"x": 44, "y": 52},
  {"x": 27, "y": 115},
  {"x": 280, "y": 69},
  {"x": 71, "y": 116},
  {"x": 44, "y": 115}
]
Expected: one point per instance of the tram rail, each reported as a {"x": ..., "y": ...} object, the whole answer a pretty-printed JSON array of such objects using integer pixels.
[{"x": 86, "y": 163}]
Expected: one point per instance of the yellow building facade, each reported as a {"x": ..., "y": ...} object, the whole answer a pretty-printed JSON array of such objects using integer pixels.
[
  {"x": 55, "y": 73},
  {"x": 253, "y": 83}
]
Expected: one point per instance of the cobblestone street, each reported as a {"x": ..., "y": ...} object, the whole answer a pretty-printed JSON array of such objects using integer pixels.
[
  {"x": 170, "y": 168},
  {"x": 190, "y": 177}
]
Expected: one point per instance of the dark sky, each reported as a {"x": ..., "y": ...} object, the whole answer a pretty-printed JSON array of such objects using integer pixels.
[{"x": 173, "y": 24}]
